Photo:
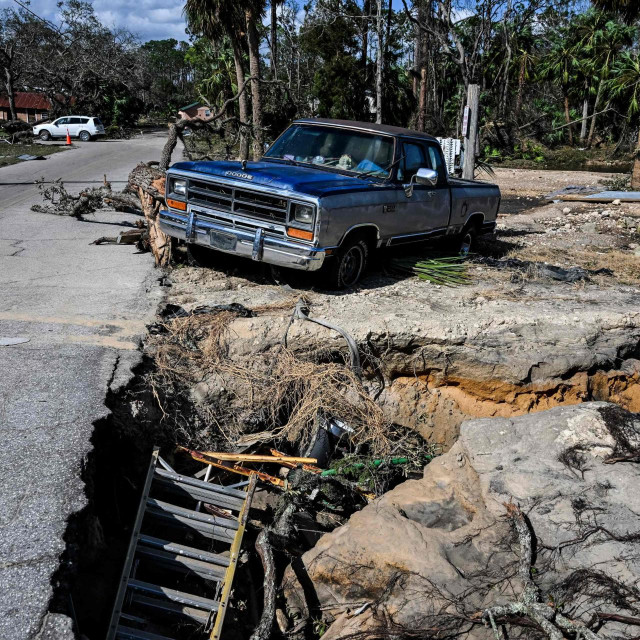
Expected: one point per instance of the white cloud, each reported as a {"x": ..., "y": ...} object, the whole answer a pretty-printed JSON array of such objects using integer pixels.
[{"x": 148, "y": 19}]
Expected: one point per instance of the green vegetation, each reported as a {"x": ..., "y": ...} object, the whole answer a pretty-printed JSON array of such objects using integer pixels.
[
  {"x": 448, "y": 271},
  {"x": 553, "y": 74},
  {"x": 9, "y": 152}
]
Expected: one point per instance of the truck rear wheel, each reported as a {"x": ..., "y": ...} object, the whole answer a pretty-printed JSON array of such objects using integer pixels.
[
  {"x": 347, "y": 266},
  {"x": 463, "y": 243}
]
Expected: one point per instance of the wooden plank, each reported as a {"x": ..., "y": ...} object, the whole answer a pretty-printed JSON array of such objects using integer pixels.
[
  {"x": 251, "y": 457},
  {"x": 239, "y": 469}
]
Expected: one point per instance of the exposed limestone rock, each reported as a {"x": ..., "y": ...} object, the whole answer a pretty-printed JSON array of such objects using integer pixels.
[
  {"x": 453, "y": 354},
  {"x": 432, "y": 553}
]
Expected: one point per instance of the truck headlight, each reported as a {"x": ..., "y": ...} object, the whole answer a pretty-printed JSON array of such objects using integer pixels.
[
  {"x": 179, "y": 186},
  {"x": 303, "y": 213}
]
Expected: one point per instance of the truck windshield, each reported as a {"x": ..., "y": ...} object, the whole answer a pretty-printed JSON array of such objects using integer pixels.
[{"x": 331, "y": 147}]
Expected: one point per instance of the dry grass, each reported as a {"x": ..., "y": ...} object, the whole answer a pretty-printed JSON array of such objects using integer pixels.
[
  {"x": 624, "y": 265},
  {"x": 272, "y": 396}
]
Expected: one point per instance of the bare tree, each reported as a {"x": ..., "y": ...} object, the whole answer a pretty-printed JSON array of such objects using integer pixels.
[{"x": 379, "y": 62}]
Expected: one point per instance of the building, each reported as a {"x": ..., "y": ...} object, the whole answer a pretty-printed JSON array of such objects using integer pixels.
[
  {"x": 194, "y": 110},
  {"x": 30, "y": 107}
]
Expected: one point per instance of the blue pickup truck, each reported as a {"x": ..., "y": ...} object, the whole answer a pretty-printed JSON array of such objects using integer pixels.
[{"x": 325, "y": 195}]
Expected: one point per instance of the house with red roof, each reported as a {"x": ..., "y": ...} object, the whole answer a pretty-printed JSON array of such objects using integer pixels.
[{"x": 30, "y": 107}]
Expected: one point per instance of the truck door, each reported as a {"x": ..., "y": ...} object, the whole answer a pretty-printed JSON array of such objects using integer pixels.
[{"x": 427, "y": 210}]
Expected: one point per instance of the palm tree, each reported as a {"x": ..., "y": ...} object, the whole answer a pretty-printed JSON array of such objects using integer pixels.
[
  {"x": 214, "y": 19},
  {"x": 525, "y": 60},
  {"x": 629, "y": 10},
  {"x": 600, "y": 41},
  {"x": 560, "y": 64},
  {"x": 625, "y": 84}
]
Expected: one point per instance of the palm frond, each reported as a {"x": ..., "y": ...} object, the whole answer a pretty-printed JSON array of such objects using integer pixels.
[{"x": 448, "y": 271}]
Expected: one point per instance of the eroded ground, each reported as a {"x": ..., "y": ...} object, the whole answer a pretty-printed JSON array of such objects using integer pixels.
[
  {"x": 551, "y": 318},
  {"x": 517, "y": 340}
]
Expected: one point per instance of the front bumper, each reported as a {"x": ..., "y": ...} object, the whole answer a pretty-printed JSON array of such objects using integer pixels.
[{"x": 255, "y": 243}]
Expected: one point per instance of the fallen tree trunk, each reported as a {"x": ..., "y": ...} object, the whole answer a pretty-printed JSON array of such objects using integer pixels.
[{"x": 148, "y": 181}]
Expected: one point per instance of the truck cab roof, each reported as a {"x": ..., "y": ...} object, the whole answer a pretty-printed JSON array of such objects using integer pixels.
[{"x": 367, "y": 126}]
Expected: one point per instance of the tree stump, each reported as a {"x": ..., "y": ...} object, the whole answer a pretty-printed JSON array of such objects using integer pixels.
[{"x": 149, "y": 183}]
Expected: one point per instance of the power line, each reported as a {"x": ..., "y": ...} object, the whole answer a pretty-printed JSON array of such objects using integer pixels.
[{"x": 47, "y": 22}]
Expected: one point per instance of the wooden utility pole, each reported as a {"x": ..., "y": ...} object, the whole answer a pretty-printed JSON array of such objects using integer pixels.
[
  {"x": 379, "y": 65},
  {"x": 470, "y": 131},
  {"x": 422, "y": 101}
]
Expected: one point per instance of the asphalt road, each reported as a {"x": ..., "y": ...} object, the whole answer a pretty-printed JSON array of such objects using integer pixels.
[{"x": 81, "y": 309}]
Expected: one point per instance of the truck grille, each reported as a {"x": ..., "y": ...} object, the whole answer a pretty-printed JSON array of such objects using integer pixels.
[{"x": 244, "y": 202}]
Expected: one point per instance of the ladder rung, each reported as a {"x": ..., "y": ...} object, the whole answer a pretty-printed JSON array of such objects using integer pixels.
[
  {"x": 216, "y": 521},
  {"x": 180, "y": 563},
  {"x": 210, "y": 486},
  {"x": 129, "y": 617},
  {"x": 198, "y": 493},
  {"x": 203, "y": 528},
  {"x": 187, "y": 552},
  {"x": 175, "y": 596},
  {"x": 166, "y": 606},
  {"x": 127, "y": 633}
]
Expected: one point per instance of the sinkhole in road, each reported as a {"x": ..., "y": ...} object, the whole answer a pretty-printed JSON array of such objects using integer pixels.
[{"x": 97, "y": 538}]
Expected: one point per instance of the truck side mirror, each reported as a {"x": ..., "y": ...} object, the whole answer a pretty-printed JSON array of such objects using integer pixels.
[
  {"x": 423, "y": 176},
  {"x": 427, "y": 177}
]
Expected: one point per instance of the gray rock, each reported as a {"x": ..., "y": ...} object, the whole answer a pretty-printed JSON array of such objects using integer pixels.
[{"x": 441, "y": 547}]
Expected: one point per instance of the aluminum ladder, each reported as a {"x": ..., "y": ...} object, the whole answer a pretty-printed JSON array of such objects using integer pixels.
[{"x": 186, "y": 532}]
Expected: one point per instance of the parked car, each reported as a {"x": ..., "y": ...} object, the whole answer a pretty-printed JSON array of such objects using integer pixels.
[
  {"x": 82, "y": 127},
  {"x": 324, "y": 196}
]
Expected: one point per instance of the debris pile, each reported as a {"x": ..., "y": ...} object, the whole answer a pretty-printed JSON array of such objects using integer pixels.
[{"x": 278, "y": 396}]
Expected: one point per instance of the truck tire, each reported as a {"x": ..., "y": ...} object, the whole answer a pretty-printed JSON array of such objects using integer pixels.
[
  {"x": 347, "y": 266},
  {"x": 462, "y": 243},
  {"x": 199, "y": 256},
  {"x": 44, "y": 135},
  {"x": 467, "y": 240}
]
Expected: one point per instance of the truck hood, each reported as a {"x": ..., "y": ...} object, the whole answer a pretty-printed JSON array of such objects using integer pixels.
[{"x": 304, "y": 180}]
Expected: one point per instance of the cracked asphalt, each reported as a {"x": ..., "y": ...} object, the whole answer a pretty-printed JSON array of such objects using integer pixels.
[{"x": 80, "y": 310}]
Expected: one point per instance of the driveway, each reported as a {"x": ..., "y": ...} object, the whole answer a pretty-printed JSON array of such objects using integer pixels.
[{"x": 80, "y": 310}]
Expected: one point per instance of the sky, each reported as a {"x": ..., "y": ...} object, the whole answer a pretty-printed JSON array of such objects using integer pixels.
[{"x": 148, "y": 19}]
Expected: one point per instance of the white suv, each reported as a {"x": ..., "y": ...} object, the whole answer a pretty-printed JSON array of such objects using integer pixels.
[{"x": 78, "y": 127}]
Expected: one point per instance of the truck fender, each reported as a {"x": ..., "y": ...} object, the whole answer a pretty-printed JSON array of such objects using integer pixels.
[{"x": 372, "y": 228}]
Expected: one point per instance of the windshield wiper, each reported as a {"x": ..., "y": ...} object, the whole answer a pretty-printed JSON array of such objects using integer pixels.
[
  {"x": 385, "y": 170},
  {"x": 295, "y": 163}
]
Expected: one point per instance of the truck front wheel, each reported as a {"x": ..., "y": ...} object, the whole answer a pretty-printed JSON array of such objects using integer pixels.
[{"x": 348, "y": 265}]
